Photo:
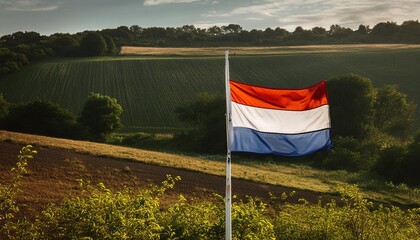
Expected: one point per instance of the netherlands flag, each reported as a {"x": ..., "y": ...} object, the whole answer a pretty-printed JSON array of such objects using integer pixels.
[{"x": 286, "y": 122}]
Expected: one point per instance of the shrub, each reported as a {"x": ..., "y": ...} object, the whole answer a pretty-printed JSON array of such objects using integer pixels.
[
  {"x": 400, "y": 164},
  {"x": 352, "y": 154},
  {"x": 200, "y": 221},
  {"x": 103, "y": 214},
  {"x": 101, "y": 115},
  {"x": 207, "y": 117},
  {"x": 44, "y": 118},
  {"x": 4, "y": 111},
  {"x": 9, "y": 207}
]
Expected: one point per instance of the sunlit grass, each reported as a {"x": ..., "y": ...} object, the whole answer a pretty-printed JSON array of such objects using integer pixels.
[{"x": 288, "y": 175}]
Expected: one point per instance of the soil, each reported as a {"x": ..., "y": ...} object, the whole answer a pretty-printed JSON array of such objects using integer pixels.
[{"x": 53, "y": 175}]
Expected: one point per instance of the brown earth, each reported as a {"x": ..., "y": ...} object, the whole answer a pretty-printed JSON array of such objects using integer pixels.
[{"x": 53, "y": 175}]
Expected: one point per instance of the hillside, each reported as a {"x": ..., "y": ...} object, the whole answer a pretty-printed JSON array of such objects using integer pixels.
[
  {"x": 60, "y": 162},
  {"x": 149, "y": 88},
  {"x": 54, "y": 172}
]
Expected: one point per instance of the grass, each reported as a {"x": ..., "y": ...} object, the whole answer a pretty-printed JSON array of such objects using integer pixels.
[
  {"x": 149, "y": 87},
  {"x": 288, "y": 175}
]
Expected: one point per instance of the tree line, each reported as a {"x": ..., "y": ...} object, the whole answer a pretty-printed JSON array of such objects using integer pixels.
[
  {"x": 21, "y": 48},
  {"x": 99, "y": 117}
]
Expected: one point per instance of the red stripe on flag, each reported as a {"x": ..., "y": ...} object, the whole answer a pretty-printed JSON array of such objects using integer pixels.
[{"x": 275, "y": 98}]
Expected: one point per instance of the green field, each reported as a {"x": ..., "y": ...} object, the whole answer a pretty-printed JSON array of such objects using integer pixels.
[{"x": 150, "y": 88}]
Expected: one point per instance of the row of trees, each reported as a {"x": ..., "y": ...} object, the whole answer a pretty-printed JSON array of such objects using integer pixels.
[
  {"x": 407, "y": 32},
  {"x": 20, "y": 48},
  {"x": 371, "y": 129},
  {"x": 99, "y": 117}
]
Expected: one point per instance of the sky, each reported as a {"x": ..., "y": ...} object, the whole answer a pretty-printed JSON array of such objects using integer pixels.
[{"x": 71, "y": 16}]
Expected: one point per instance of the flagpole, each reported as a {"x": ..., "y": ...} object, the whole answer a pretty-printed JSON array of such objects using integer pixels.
[{"x": 228, "y": 156}]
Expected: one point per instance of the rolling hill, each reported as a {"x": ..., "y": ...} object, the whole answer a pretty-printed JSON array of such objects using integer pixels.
[{"x": 150, "y": 86}]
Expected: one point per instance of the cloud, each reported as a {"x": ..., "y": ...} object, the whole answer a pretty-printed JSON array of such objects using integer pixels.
[
  {"x": 206, "y": 25},
  {"x": 214, "y": 14},
  {"x": 160, "y": 2},
  {"x": 350, "y": 13},
  {"x": 267, "y": 9},
  {"x": 28, "y": 6},
  {"x": 255, "y": 19}
]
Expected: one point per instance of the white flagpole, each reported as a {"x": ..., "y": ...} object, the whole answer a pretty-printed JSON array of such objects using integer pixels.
[{"x": 228, "y": 157}]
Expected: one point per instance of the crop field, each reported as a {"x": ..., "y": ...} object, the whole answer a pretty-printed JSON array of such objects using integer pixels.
[{"x": 149, "y": 88}]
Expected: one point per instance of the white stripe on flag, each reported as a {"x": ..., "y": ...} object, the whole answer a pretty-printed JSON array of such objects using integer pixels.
[{"x": 280, "y": 121}]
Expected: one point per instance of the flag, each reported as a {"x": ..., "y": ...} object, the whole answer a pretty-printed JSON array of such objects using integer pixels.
[{"x": 286, "y": 122}]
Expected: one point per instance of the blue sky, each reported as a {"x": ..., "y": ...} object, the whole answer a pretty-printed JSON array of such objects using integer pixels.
[{"x": 71, "y": 16}]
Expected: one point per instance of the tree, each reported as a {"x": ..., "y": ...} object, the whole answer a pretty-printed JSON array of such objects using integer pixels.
[
  {"x": 11, "y": 61},
  {"x": 64, "y": 44},
  {"x": 232, "y": 28},
  {"x": 44, "y": 118},
  {"x": 4, "y": 111},
  {"x": 394, "y": 114},
  {"x": 207, "y": 116},
  {"x": 101, "y": 115},
  {"x": 110, "y": 45},
  {"x": 93, "y": 44},
  {"x": 337, "y": 31},
  {"x": 386, "y": 30},
  {"x": 351, "y": 99},
  {"x": 363, "y": 29}
]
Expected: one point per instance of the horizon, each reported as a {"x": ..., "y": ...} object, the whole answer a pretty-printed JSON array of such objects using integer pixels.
[{"x": 71, "y": 16}]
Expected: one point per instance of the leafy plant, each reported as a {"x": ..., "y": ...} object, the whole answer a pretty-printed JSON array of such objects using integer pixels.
[{"x": 9, "y": 206}]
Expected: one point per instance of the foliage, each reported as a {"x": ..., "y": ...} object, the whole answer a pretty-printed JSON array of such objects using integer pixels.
[
  {"x": 44, "y": 118},
  {"x": 11, "y": 61},
  {"x": 351, "y": 99},
  {"x": 207, "y": 116},
  {"x": 394, "y": 113},
  {"x": 101, "y": 115},
  {"x": 64, "y": 45},
  {"x": 356, "y": 219},
  {"x": 4, "y": 111},
  {"x": 199, "y": 221},
  {"x": 9, "y": 206},
  {"x": 93, "y": 44},
  {"x": 400, "y": 163},
  {"x": 353, "y": 154},
  {"x": 110, "y": 45},
  {"x": 100, "y": 213}
]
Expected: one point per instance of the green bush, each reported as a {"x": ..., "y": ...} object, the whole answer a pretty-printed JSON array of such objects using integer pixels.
[
  {"x": 9, "y": 206},
  {"x": 201, "y": 221},
  {"x": 44, "y": 118},
  {"x": 101, "y": 115},
  {"x": 352, "y": 154},
  {"x": 4, "y": 111},
  {"x": 356, "y": 219},
  {"x": 207, "y": 118},
  {"x": 400, "y": 164}
]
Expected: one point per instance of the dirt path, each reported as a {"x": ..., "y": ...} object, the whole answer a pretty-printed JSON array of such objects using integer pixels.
[{"x": 53, "y": 175}]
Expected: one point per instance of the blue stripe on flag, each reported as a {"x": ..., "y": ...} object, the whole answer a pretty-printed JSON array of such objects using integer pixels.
[{"x": 249, "y": 140}]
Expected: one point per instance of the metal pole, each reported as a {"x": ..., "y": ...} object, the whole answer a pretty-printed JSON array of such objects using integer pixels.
[{"x": 228, "y": 157}]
